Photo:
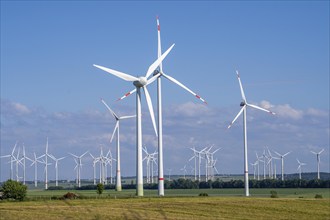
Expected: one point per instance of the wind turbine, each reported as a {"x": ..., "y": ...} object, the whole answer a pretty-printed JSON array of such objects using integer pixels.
[
  {"x": 109, "y": 160},
  {"x": 140, "y": 82},
  {"x": 117, "y": 118},
  {"x": 282, "y": 162},
  {"x": 12, "y": 159},
  {"x": 95, "y": 160},
  {"x": 158, "y": 73},
  {"x": 46, "y": 155},
  {"x": 22, "y": 161},
  {"x": 318, "y": 162},
  {"x": 79, "y": 165},
  {"x": 244, "y": 104},
  {"x": 56, "y": 167},
  {"x": 184, "y": 171},
  {"x": 199, "y": 155},
  {"x": 35, "y": 163},
  {"x": 299, "y": 167}
]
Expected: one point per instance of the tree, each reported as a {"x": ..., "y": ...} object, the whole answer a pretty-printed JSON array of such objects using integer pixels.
[
  {"x": 99, "y": 188},
  {"x": 13, "y": 190}
]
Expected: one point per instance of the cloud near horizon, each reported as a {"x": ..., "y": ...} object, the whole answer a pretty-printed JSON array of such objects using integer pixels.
[{"x": 185, "y": 125}]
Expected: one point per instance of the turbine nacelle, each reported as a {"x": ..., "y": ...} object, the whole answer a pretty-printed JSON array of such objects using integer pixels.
[
  {"x": 242, "y": 104},
  {"x": 141, "y": 82}
]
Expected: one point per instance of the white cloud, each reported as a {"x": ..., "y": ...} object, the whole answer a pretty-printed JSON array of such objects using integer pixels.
[
  {"x": 20, "y": 108},
  {"x": 287, "y": 111}
]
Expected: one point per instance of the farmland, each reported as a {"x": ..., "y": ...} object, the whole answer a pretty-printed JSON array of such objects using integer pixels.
[{"x": 178, "y": 204}]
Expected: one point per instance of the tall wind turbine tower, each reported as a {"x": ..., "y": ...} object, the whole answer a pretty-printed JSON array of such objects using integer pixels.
[
  {"x": 117, "y": 118},
  {"x": 140, "y": 82},
  {"x": 282, "y": 163},
  {"x": 318, "y": 162},
  {"x": 244, "y": 104}
]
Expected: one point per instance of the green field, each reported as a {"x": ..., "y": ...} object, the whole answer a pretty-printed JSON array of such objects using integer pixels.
[
  {"x": 177, "y": 204},
  {"x": 282, "y": 193}
]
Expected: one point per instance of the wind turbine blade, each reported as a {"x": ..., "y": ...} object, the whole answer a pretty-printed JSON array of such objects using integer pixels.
[
  {"x": 83, "y": 154},
  {"x": 112, "y": 112},
  {"x": 298, "y": 161},
  {"x": 151, "y": 110},
  {"x": 158, "y": 61},
  {"x": 183, "y": 86},
  {"x": 286, "y": 153},
  {"x": 114, "y": 131},
  {"x": 121, "y": 75},
  {"x": 73, "y": 155},
  {"x": 239, "y": 113},
  {"x": 241, "y": 87},
  {"x": 262, "y": 109},
  {"x": 127, "y": 94},
  {"x": 152, "y": 79},
  {"x": 14, "y": 148},
  {"x": 313, "y": 152},
  {"x": 61, "y": 158},
  {"x": 278, "y": 154},
  {"x": 159, "y": 44},
  {"x": 321, "y": 151},
  {"x": 126, "y": 117}
]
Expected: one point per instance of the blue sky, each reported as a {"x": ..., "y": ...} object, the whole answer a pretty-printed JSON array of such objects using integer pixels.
[{"x": 50, "y": 88}]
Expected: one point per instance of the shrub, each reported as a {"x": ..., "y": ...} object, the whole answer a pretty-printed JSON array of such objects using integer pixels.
[
  {"x": 273, "y": 194},
  {"x": 203, "y": 194},
  {"x": 70, "y": 195},
  {"x": 13, "y": 190},
  {"x": 99, "y": 188},
  {"x": 318, "y": 196}
]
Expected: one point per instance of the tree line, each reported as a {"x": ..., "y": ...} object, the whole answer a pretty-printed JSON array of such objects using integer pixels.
[{"x": 217, "y": 184}]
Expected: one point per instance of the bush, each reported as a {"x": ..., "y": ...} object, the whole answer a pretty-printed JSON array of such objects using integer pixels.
[
  {"x": 318, "y": 196},
  {"x": 99, "y": 188},
  {"x": 70, "y": 195},
  {"x": 273, "y": 194},
  {"x": 203, "y": 194},
  {"x": 13, "y": 190}
]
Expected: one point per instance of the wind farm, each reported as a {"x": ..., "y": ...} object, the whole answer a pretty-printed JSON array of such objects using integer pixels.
[{"x": 181, "y": 139}]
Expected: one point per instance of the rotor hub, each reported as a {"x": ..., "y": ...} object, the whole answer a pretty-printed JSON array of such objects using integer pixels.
[
  {"x": 242, "y": 104},
  {"x": 141, "y": 82}
]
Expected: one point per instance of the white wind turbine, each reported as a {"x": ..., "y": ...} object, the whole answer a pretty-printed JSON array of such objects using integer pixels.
[
  {"x": 140, "y": 82},
  {"x": 244, "y": 104},
  {"x": 79, "y": 165},
  {"x": 46, "y": 155},
  {"x": 35, "y": 163},
  {"x": 318, "y": 162},
  {"x": 158, "y": 73},
  {"x": 150, "y": 164},
  {"x": 109, "y": 160},
  {"x": 258, "y": 165},
  {"x": 23, "y": 162},
  {"x": 184, "y": 170},
  {"x": 56, "y": 167},
  {"x": 282, "y": 163},
  {"x": 299, "y": 167},
  {"x": 12, "y": 159},
  {"x": 198, "y": 154},
  {"x": 117, "y": 118},
  {"x": 95, "y": 160}
]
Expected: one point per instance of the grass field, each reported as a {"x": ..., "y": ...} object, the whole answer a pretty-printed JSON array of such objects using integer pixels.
[
  {"x": 169, "y": 208},
  {"x": 178, "y": 204},
  {"x": 282, "y": 193}
]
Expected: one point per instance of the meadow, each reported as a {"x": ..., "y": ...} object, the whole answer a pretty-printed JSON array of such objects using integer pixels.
[{"x": 177, "y": 204}]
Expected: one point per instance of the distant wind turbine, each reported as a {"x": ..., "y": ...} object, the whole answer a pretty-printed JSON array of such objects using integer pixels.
[
  {"x": 318, "y": 162},
  {"x": 282, "y": 163},
  {"x": 12, "y": 160},
  {"x": 117, "y": 118},
  {"x": 299, "y": 167},
  {"x": 244, "y": 104}
]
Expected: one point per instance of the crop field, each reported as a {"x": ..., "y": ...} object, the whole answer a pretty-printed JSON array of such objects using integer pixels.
[
  {"x": 169, "y": 208},
  {"x": 178, "y": 204}
]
